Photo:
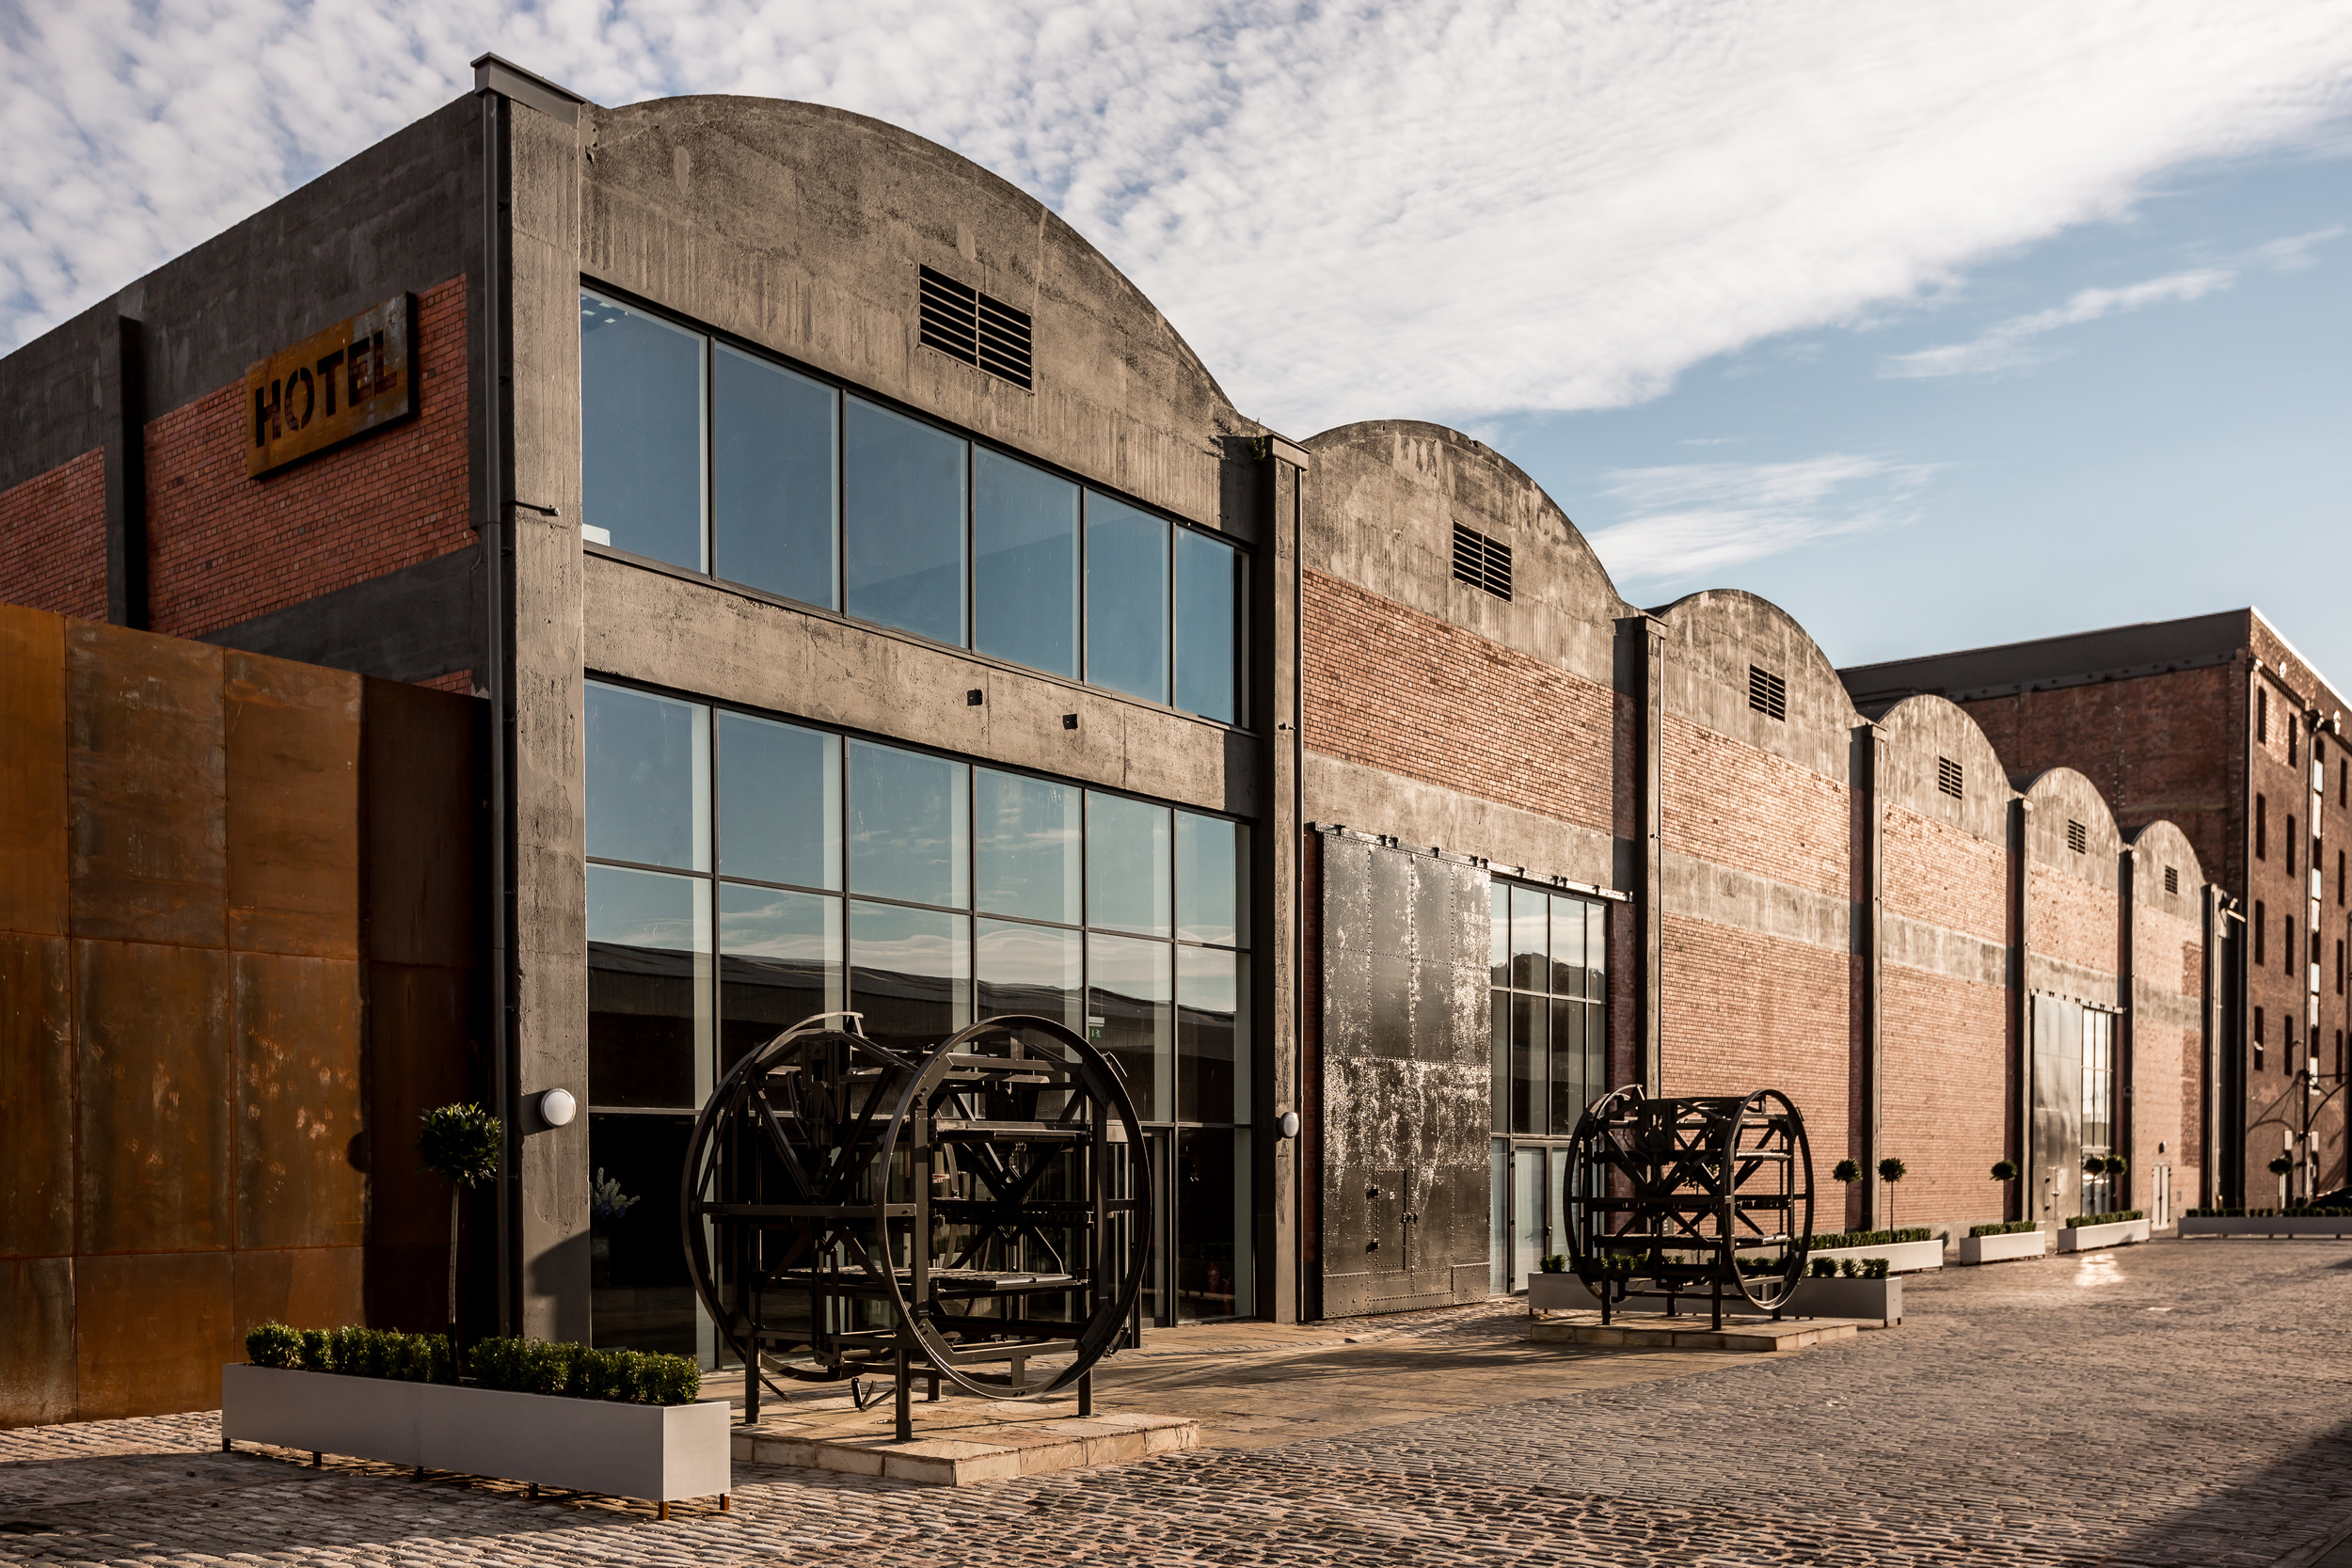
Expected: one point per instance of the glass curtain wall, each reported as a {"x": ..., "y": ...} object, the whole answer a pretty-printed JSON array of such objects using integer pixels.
[
  {"x": 744, "y": 873},
  {"x": 2099, "y": 1188},
  {"x": 700, "y": 455},
  {"x": 1550, "y": 1015}
]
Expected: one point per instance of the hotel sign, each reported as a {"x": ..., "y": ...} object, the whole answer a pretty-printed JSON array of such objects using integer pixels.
[{"x": 343, "y": 382}]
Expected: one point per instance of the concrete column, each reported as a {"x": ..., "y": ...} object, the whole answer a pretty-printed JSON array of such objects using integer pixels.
[
  {"x": 1277, "y": 849},
  {"x": 546, "y": 812},
  {"x": 2021, "y": 1012},
  {"x": 1871, "y": 937},
  {"x": 1643, "y": 672}
]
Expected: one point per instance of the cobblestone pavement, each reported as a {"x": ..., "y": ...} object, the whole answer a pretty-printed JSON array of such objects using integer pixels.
[{"x": 2176, "y": 1403}]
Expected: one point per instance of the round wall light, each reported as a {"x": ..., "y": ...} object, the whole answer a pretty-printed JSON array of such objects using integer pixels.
[
  {"x": 557, "y": 1107},
  {"x": 1288, "y": 1124}
]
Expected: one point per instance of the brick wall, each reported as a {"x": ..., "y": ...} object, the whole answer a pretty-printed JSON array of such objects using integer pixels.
[
  {"x": 1936, "y": 873},
  {"x": 1946, "y": 1102},
  {"x": 224, "y": 548},
  {"x": 2074, "y": 921},
  {"x": 1390, "y": 687},
  {"x": 53, "y": 540},
  {"x": 1733, "y": 805},
  {"x": 2167, "y": 1050}
]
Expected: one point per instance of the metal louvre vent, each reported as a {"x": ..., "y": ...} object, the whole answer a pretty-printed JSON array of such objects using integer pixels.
[
  {"x": 964, "y": 323},
  {"x": 1481, "y": 562},
  {"x": 1767, "y": 693},
  {"x": 2077, "y": 837},
  {"x": 1948, "y": 777},
  {"x": 2172, "y": 879}
]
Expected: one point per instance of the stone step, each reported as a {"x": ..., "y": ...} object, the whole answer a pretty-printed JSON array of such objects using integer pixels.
[{"x": 968, "y": 1453}]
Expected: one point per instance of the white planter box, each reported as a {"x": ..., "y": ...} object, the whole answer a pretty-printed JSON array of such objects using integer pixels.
[
  {"x": 1997, "y": 1250},
  {"x": 2091, "y": 1238},
  {"x": 1867, "y": 1300},
  {"x": 2335, "y": 1226},
  {"x": 1901, "y": 1257},
  {"x": 658, "y": 1452}
]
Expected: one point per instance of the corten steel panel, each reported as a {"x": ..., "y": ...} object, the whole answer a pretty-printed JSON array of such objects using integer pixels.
[
  {"x": 299, "y": 1103},
  {"x": 423, "y": 1051},
  {"x": 151, "y": 1331},
  {"x": 1405, "y": 1106},
  {"x": 36, "y": 1097},
  {"x": 36, "y": 1340},
  {"x": 420, "y": 801},
  {"x": 308, "y": 1287},
  {"x": 32, "y": 771},
  {"x": 292, "y": 770},
  {"x": 157, "y": 1088},
  {"x": 148, "y": 831}
]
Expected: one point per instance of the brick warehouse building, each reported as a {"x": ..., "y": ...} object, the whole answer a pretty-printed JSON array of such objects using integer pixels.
[{"x": 841, "y": 587}]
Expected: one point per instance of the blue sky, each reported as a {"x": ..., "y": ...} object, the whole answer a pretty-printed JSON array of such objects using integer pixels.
[
  {"x": 2187, "y": 455},
  {"x": 1690, "y": 261}
]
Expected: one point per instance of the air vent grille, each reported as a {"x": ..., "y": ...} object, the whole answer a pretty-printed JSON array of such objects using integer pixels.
[
  {"x": 1767, "y": 693},
  {"x": 2172, "y": 879},
  {"x": 1481, "y": 562},
  {"x": 2077, "y": 837},
  {"x": 1948, "y": 777},
  {"x": 964, "y": 323}
]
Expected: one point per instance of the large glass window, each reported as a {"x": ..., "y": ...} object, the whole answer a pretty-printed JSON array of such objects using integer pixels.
[
  {"x": 745, "y": 872},
  {"x": 775, "y": 494},
  {"x": 1126, "y": 600},
  {"x": 640, "y": 432},
  {"x": 904, "y": 502},
  {"x": 1549, "y": 965},
  {"x": 809, "y": 492},
  {"x": 1025, "y": 563}
]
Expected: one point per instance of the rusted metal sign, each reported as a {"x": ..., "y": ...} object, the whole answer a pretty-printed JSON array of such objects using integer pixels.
[{"x": 343, "y": 382}]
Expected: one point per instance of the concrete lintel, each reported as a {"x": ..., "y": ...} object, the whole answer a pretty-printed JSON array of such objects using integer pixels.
[{"x": 509, "y": 80}]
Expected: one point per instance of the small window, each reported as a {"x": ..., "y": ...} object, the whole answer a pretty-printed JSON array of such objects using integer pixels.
[
  {"x": 1948, "y": 777},
  {"x": 2294, "y": 731},
  {"x": 2261, "y": 714},
  {"x": 1768, "y": 694},
  {"x": 2343, "y": 783},
  {"x": 2258, "y": 1033},
  {"x": 2077, "y": 837},
  {"x": 2172, "y": 879},
  {"x": 2262, "y": 919},
  {"x": 2339, "y": 878},
  {"x": 2261, "y": 828},
  {"x": 2289, "y": 844},
  {"x": 964, "y": 323},
  {"x": 1481, "y": 562},
  {"x": 2286, "y": 944}
]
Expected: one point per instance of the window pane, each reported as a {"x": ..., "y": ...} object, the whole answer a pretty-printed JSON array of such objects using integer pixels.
[
  {"x": 1498, "y": 1022},
  {"x": 1567, "y": 946},
  {"x": 1209, "y": 1224},
  {"x": 1499, "y": 1216},
  {"x": 648, "y": 779},
  {"x": 1030, "y": 969},
  {"x": 1025, "y": 563},
  {"x": 903, "y": 524},
  {"x": 779, "y": 802},
  {"x": 1211, "y": 875},
  {"x": 1212, "y": 1036},
  {"x": 1126, "y": 600},
  {"x": 1208, "y": 607},
  {"x": 1127, "y": 1015},
  {"x": 910, "y": 830},
  {"x": 640, "y": 1297},
  {"x": 1530, "y": 945},
  {"x": 779, "y": 961},
  {"x": 1569, "y": 1092},
  {"x": 1527, "y": 1216},
  {"x": 648, "y": 988},
  {"x": 1029, "y": 859},
  {"x": 1498, "y": 950},
  {"x": 1596, "y": 1052},
  {"x": 1528, "y": 1094},
  {"x": 640, "y": 432},
  {"x": 1596, "y": 953},
  {"x": 910, "y": 973},
  {"x": 773, "y": 493},
  {"x": 1127, "y": 864}
]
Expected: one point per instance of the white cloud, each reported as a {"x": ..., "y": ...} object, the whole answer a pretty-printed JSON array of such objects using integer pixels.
[
  {"x": 1450, "y": 208},
  {"x": 1689, "y": 522},
  {"x": 2015, "y": 342}
]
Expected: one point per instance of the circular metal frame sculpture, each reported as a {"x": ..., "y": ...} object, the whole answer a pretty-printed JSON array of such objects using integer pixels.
[
  {"x": 849, "y": 1209},
  {"x": 1692, "y": 1196}
]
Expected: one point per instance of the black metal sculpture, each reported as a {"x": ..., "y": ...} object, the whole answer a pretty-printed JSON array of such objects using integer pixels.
[
  {"x": 850, "y": 1209},
  {"x": 1690, "y": 1195}
]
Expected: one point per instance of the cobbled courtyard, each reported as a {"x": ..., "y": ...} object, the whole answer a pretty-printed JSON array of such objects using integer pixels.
[{"x": 2175, "y": 1403}]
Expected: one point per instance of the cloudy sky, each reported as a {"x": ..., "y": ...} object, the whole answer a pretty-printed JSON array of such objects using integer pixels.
[{"x": 1938, "y": 325}]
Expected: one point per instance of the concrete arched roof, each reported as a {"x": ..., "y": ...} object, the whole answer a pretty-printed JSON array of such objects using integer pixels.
[
  {"x": 1713, "y": 639},
  {"x": 2162, "y": 843},
  {"x": 1915, "y": 735},
  {"x": 2057, "y": 795}
]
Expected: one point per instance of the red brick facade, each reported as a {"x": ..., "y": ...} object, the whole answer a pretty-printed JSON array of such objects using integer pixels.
[
  {"x": 53, "y": 540},
  {"x": 223, "y": 548}
]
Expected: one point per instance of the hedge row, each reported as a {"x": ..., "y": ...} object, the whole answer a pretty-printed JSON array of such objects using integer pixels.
[
  {"x": 517, "y": 1366},
  {"x": 1871, "y": 1238},
  {"x": 2116, "y": 1217},
  {"x": 2295, "y": 1213},
  {"x": 2012, "y": 1227}
]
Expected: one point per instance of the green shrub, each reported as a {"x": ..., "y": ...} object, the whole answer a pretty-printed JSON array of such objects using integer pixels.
[
  {"x": 1876, "y": 1268},
  {"x": 2113, "y": 1218},
  {"x": 576, "y": 1371},
  {"x": 2116, "y": 1165},
  {"x": 1556, "y": 1263},
  {"x": 317, "y": 1353},
  {"x": 2297, "y": 1211},
  {"x": 1847, "y": 1267},
  {"x": 2004, "y": 1170},
  {"x": 1846, "y": 1170},
  {"x": 1836, "y": 1240},
  {"x": 1825, "y": 1267},
  {"x": 2008, "y": 1228},
  {"x": 273, "y": 1345}
]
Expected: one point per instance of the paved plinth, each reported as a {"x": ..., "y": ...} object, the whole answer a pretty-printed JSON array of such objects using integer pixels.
[
  {"x": 1656, "y": 1331},
  {"x": 956, "y": 1442}
]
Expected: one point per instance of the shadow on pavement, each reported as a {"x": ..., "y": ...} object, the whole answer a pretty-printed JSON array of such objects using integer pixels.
[{"x": 2287, "y": 1514}]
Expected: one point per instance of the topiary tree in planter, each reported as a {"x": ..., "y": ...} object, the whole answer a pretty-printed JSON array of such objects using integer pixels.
[
  {"x": 460, "y": 1144},
  {"x": 1891, "y": 1171}
]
